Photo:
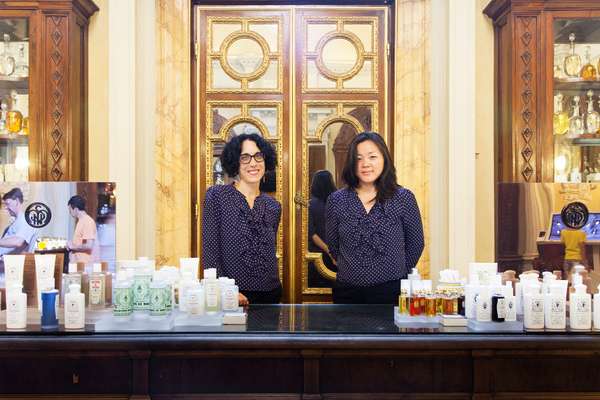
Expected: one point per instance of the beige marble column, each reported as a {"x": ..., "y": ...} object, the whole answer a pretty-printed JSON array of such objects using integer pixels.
[
  {"x": 172, "y": 147},
  {"x": 412, "y": 112}
]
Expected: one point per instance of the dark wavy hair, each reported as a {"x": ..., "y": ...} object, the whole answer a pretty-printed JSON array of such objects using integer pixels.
[
  {"x": 386, "y": 184},
  {"x": 230, "y": 157},
  {"x": 322, "y": 185}
]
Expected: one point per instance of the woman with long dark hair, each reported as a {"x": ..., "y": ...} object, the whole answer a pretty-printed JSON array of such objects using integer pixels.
[
  {"x": 239, "y": 222},
  {"x": 321, "y": 187},
  {"x": 374, "y": 227}
]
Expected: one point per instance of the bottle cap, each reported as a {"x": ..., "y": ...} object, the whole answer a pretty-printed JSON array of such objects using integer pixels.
[
  {"x": 210, "y": 273},
  {"x": 74, "y": 288},
  {"x": 72, "y": 268}
]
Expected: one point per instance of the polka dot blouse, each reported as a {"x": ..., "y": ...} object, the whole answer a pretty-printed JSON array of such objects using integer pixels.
[
  {"x": 240, "y": 241},
  {"x": 375, "y": 247}
]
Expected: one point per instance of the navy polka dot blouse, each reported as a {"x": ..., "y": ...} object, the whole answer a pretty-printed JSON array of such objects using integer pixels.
[
  {"x": 375, "y": 247},
  {"x": 240, "y": 241}
]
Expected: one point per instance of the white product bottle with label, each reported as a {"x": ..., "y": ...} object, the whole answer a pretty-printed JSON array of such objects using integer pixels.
[
  {"x": 471, "y": 295},
  {"x": 555, "y": 305},
  {"x": 16, "y": 307},
  {"x": 229, "y": 296},
  {"x": 74, "y": 308},
  {"x": 597, "y": 310},
  {"x": 510, "y": 303},
  {"x": 533, "y": 306},
  {"x": 97, "y": 287},
  {"x": 580, "y": 306},
  {"x": 484, "y": 305},
  {"x": 195, "y": 300},
  {"x": 211, "y": 290}
]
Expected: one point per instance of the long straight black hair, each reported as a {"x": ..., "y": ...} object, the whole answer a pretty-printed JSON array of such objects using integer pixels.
[
  {"x": 322, "y": 185},
  {"x": 385, "y": 184}
]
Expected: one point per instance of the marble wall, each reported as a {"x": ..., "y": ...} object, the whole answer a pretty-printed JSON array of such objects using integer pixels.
[
  {"x": 173, "y": 132},
  {"x": 412, "y": 109}
]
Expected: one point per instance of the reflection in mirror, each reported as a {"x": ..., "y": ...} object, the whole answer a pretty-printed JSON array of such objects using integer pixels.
[
  {"x": 268, "y": 32},
  {"x": 220, "y": 115},
  {"x": 220, "y": 31},
  {"x": 363, "y": 79},
  {"x": 339, "y": 55},
  {"x": 362, "y": 114},
  {"x": 316, "y": 115},
  {"x": 364, "y": 33},
  {"x": 268, "y": 116},
  {"x": 531, "y": 232},
  {"x": 315, "y": 79},
  {"x": 315, "y": 32},
  {"x": 244, "y": 55},
  {"x": 269, "y": 79},
  {"x": 220, "y": 80}
]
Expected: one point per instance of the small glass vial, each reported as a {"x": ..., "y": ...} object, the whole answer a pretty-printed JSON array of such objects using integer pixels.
[
  {"x": 572, "y": 61},
  {"x": 404, "y": 298}
]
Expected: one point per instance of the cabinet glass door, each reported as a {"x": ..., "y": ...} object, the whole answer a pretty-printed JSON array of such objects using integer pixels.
[
  {"x": 14, "y": 99},
  {"x": 576, "y": 117}
]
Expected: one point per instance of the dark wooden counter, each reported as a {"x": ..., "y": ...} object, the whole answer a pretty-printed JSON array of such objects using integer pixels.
[{"x": 282, "y": 354}]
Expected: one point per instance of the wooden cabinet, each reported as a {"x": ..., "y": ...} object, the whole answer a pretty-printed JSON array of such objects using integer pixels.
[
  {"x": 43, "y": 76},
  {"x": 531, "y": 49}
]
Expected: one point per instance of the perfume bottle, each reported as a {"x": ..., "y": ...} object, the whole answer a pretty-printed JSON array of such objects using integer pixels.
[
  {"x": 560, "y": 120},
  {"x": 588, "y": 72},
  {"x": 573, "y": 61},
  {"x": 22, "y": 67},
  {"x": 3, "y": 112},
  {"x": 14, "y": 118},
  {"x": 575, "y": 122},
  {"x": 592, "y": 118},
  {"x": 7, "y": 62}
]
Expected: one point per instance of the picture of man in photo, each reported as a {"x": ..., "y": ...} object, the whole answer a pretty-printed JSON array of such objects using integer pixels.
[
  {"x": 19, "y": 236},
  {"x": 84, "y": 246}
]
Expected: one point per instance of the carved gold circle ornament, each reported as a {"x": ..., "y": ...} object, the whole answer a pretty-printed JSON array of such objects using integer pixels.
[
  {"x": 244, "y": 55},
  {"x": 335, "y": 44}
]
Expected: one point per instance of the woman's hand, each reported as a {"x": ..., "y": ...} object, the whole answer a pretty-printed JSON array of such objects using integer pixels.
[{"x": 243, "y": 300}]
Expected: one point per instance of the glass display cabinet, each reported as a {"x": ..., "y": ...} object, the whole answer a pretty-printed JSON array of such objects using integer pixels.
[
  {"x": 43, "y": 73},
  {"x": 547, "y": 90}
]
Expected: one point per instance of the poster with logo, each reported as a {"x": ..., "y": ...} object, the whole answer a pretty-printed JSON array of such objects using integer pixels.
[{"x": 77, "y": 219}]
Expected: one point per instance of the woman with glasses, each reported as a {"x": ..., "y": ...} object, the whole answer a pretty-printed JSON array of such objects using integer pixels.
[
  {"x": 239, "y": 223},
  {"x": 374, "y": 228}
]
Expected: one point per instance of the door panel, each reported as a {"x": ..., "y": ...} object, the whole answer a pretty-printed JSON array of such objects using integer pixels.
[{"x": 309, "y": 88}]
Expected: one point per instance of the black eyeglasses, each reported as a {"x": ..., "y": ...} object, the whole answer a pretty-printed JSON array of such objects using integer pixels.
[{"x": 258, "y": 157}]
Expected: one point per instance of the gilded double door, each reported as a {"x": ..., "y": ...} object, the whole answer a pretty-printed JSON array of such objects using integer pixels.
[{"x": 308, "y": 79}]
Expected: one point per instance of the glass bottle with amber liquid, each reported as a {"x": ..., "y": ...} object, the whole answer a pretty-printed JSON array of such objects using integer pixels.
[
  {"x": 560, "y": 119},
  {"x": 572, "y": 61},
  {"x": 588, "y": 72},
  {"x": 592, "y": 118},
  {"x": 14, "y": 119}
]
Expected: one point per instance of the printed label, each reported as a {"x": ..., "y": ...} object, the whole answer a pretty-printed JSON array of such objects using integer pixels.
[
  {"x": 157, "y": 301},
  {"x": 501, "y": 308},
  {"x": 96, "y": 291},
  {"x": 141, "y": 292},
  {"x": 123, "y": 302}
]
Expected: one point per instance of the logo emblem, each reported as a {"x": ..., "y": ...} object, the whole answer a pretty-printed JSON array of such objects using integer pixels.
[
  {"x": 575, "y": 215},
  {"x": 38, "y": 215}
]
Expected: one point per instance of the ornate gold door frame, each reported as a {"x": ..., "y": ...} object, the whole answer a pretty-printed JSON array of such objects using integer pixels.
[{"x": 307, "y": 79}]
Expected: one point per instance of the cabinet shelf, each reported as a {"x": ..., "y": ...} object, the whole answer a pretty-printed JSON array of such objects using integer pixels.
[
  {"x": 9, "y": 83},
  {"x": 588, "y": 142},
  {"x": 576, "y": 85},
  {"x": 13, "y": 139}
]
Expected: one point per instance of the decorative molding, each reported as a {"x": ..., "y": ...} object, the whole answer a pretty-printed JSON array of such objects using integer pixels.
[
  {"x": 56, "y": 114},
  {"x": 526, "y": 125}
]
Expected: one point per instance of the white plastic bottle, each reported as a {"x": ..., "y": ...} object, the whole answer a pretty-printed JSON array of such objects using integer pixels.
[
  {"x": 229, "y": 296},
  {"x": 484, "y": 305},
  {"x": 16, "y": 307},
  {"x": 597, "y": 310},
  {"x": 580, "y": 306},
  {"x": 211, "y": 290},
  {"x": 194, "y": 300},
  {"x": 510, "y": 303},
  {"x": 533, "y": 306},
  {"x": 555, "y": 305},
  {"x": 74, "y": 308}
]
